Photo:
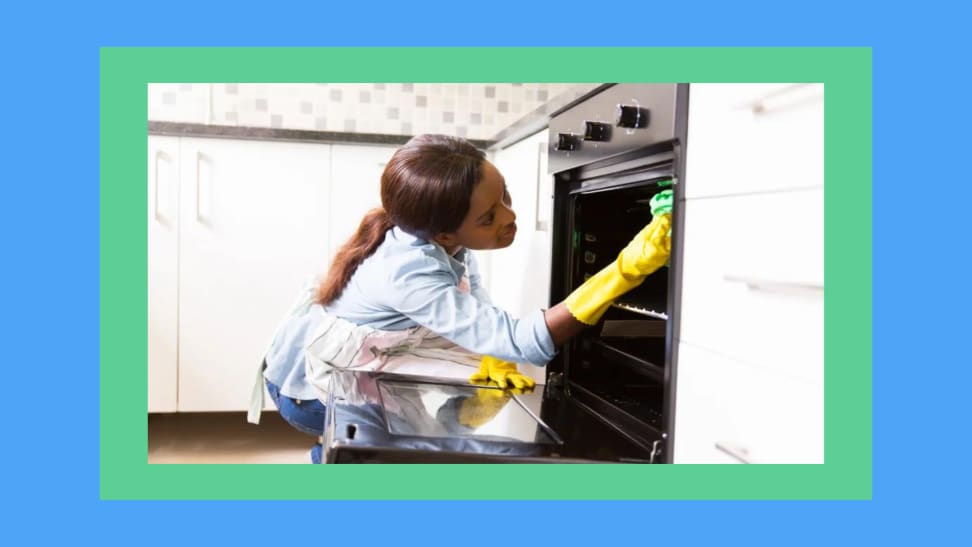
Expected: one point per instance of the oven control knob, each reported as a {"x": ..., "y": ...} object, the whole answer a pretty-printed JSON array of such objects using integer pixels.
[
  {"x": 567, "y": 141},
  {"x": 632, "y": 116},
  {"x": 596, "y": 131}
]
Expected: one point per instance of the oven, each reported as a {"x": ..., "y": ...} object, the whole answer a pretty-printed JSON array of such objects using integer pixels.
[
  {"x": 609, "y": 393},
  {"x": 609, "y": 155}
]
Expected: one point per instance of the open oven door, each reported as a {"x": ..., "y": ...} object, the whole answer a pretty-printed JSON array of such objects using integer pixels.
[{"x": 376, "y": 417}]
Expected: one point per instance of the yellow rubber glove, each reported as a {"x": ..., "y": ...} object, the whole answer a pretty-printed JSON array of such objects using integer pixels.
[
  {"x": 504, "y": 373},
  {"x": 480, "y": 408},
  {"x": 648, "y": 251}
]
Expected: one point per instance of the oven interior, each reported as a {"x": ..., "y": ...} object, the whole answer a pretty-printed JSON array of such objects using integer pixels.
[{"x": 618, "y": 367}]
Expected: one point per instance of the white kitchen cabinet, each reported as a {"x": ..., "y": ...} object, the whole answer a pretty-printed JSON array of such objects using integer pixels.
[
  {"x": 235, "y": 228},
  {"x": 750, "y": 380},
  {"x": 163, "y": 275},
  {"x": 732, "y": 412},
  {"x": 356, "y": 184},
  {"x": 745, "y": 138},
  {"x": 752, "y": 279},
  {"x": 518, "y": 277},
  {"x": 255, "y": 220}
]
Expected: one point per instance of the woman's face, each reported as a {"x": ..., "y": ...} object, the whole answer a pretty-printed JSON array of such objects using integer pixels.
[{"x": 490, "y": 222}]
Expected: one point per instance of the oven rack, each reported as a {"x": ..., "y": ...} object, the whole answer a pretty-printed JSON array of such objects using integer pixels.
[
  {"x": 639, "y": 424},
  {"x": 640, "y": 310},
  {"x": 621, "y": 357}
]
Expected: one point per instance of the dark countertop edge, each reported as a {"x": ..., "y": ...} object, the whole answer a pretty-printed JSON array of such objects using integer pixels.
[{"x": 179, "y": 129}]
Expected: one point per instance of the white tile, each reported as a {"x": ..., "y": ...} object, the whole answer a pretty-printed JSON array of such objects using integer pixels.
[{"x": 302, "y": 121}]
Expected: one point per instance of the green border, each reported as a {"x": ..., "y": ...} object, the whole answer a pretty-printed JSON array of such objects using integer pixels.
[{"x": 846, "y": 73}]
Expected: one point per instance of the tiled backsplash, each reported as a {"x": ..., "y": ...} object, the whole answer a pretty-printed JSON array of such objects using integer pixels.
[{"x": 476, "y": 111}]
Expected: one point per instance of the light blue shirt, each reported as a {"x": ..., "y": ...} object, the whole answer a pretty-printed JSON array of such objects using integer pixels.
[{"x": 410, "y": 282}]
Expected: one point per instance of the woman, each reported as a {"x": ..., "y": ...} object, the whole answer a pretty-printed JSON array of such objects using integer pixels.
[{"x": 405, "y": 288}]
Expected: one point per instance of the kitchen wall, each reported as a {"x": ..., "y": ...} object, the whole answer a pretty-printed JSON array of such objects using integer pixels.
[{"x": 475, "y": 111}]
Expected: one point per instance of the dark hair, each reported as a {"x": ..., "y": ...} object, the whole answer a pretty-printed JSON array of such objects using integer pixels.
[{"x": 425, "y": 190}]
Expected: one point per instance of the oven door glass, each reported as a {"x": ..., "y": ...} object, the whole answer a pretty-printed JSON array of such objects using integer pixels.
[{"x": 441, "y": 410}]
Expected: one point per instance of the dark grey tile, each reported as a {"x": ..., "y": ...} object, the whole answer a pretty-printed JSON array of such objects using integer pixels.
[
  {"x": 349, "y": 126},
  {"x": 261, "y": 105},
  {"x": 448, "y": 117},
  {"x": 232, "y": 117},
  {"x": 232, "y": 89},
  {"x": 306, "y": 107},
  {"x": 393, "y": 113},
  {"x": 169, "y": 97},
  {"x": 502, "y": 106},
  {"x": 320, "y": 123},
  {"x": 461, "y": 131},
  {"x": 408, "y": 88},
  {"x": 276, "y": 120},
  {"x": 475, "y": 118},
  {"x": 490, "y": 91},
  {"x": 406, "y": 128},
  {"x": 336, "y": 95},
  {"x": 364, "y": 97},
  {"x": 421, "y": 100}
]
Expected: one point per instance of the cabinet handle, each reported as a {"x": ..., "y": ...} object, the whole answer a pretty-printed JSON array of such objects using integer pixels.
[
  {"x": 155, "y": 189},
  {"x": 202, "y": 172},
  {"x": 540, "y": 225},
  {"x": 783, "y": 287},
  {"x": 788, "y": 97},
  {"x": 159, "y": 157},
  {"x": 737, "y": 452}
]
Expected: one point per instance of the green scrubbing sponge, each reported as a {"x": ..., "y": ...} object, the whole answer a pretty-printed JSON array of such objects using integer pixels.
[{"x": 661, "y": 203}]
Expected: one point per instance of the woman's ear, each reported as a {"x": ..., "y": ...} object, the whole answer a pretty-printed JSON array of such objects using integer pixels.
[{"x": 446, "y": 239}]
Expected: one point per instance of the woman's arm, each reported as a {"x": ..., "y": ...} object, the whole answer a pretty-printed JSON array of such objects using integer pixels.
[
  {"x": 562, "y": 325},
  {"x": 646, "y": 253}
]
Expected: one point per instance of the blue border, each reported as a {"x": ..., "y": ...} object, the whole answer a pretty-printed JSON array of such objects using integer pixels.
[{"x": 921, "y": 294}]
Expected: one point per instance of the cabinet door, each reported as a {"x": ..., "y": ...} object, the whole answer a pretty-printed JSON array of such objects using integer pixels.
[
  {"x": 753, "y": 279},
  {"x": 518, "y": 277},
  {"x": 746, "y": 138},
  {"x": 254, "y": 227},
  {"x": 729, "y": 411},
  {"x": 356, "y": 185},
  {"x": 750, "y": 357},
  {"x": 163, "y": 278}
]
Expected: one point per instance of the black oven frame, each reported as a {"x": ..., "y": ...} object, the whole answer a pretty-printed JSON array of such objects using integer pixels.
[{"x": 638, "y": 166}]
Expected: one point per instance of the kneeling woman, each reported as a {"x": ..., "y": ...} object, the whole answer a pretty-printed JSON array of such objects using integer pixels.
[{"x": 405, "y": 288}]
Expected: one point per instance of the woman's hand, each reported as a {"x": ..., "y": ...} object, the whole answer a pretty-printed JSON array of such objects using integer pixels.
[
  {"x": 649, "y": 250},
  {"x": 504, "y": 373}
]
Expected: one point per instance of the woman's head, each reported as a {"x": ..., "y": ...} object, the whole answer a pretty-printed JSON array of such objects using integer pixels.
[
  {"x": 442, "y": 189},
  {"x": 437, "y": 188}
]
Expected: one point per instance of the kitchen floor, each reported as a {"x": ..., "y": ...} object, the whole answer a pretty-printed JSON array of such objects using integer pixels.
[{"x": 225, "y": 438}]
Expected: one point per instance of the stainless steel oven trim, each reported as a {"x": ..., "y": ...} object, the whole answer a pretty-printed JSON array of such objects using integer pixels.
[{"x": 675, "y": 265}]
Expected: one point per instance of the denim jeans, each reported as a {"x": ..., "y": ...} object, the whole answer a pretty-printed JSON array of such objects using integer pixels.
[{"x": 306, "y": 416}]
